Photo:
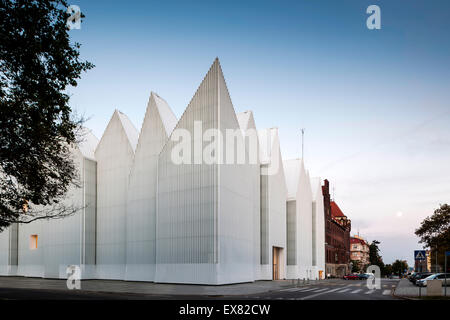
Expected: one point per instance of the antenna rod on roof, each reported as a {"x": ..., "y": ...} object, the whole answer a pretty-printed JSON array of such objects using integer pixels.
[{"x": 303, "y": 143}]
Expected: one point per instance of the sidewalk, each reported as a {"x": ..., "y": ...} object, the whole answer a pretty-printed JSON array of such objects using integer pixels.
[
  {"x": 406, "y": 288},
  {"x": 118, "y": 286}
]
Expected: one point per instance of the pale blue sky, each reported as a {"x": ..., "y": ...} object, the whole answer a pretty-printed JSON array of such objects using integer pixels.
[{"x": 375, "y": 103}]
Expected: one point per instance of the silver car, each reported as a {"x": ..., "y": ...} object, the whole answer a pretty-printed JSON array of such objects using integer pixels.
[{"x": 437, "y": 276}]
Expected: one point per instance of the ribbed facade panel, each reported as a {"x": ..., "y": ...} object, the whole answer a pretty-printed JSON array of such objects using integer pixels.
[
  {"x": 187, "y": 193},
  {"x": 114, "y": 157},
  {"x": 63, "y": 242},
  {"x": 291, "y": 227},
  {"x": 277, "y": 210},
  {"x": 314, "y": 234},
  {"x": 235, "y": 201},
  {"x": 304, "y": 225},
  {"x": 264, "y": 251},
  {"x": 13, "y": 257},
  {"x": 9, "y": 242},
  {"x": 142, "y": 197},
  {"x": 4, "y": 252},
  {"x": 318, "y": 231},
  {"x": 252, "y": 149},
  {"x": 89, "y": 223}
]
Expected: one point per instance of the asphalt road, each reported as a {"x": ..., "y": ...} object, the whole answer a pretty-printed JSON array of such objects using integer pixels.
[
  {"x": 327, "y": 290},
  {"x": 333, "y": 290}
]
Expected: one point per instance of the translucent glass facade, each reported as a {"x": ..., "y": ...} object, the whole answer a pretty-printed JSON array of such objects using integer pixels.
[{"x": 146, "y": 217}]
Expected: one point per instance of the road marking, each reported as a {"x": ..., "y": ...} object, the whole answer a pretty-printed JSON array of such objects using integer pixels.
[
  {"x": 370, "y": 291},
  {"x": 309, "y": 289},
  {"x": 293, "y": 289},
  {"x": 356, "y": 291},
  {"x": 386, "y": 292},
  {"x": 304, "y": 289},
  {"x": 320, "y": 290},
  {"x": 319, "y": 294},
  {"x": 345, "y": 290}
]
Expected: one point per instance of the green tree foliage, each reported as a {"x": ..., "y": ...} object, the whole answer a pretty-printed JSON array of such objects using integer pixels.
[
  {"x": 434, "y": 233},
  {"x": 388, "y": 269},
  {"x": 399, "y": 266},
  {"x": 356, "y": 266},
  {"x": 37, "y": 126},
  {"x": 374, "y": 255}
]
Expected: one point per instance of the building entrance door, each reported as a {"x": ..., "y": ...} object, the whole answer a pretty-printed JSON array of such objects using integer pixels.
[{"x": 276, "y": 263}]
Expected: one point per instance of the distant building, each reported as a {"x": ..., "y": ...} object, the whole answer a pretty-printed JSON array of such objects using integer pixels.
[
  {"x": 359, "y": 251},
  {"x": 337, "y": 237},
  {"x": 428, "y": 260}
]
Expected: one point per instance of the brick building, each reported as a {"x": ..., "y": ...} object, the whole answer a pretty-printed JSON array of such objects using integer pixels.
[
  {"x": 337, "y": 237},
  {"x": 359, "y": 251}
]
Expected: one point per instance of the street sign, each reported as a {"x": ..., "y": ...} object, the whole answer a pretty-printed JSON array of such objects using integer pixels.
[
  {"x": 447, "y": 253},
  {"x": 420, "y": 255}
]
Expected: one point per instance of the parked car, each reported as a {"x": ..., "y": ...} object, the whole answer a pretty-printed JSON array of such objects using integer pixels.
[
  {"x": 436, "y": 276},
  {"x": 420, "y": 276},
  {"x": 351, "y": 277},
  {"x": 411, "y": 276},
  {"x": 365, "y": 276}
]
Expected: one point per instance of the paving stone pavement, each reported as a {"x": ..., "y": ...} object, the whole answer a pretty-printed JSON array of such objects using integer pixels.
[{"x": 406, "y": 288}]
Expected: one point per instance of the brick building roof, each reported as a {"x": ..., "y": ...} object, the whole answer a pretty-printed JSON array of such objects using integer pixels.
[
  {"x": 358, "y": 240},
  {"x": 335, "y": 210}
]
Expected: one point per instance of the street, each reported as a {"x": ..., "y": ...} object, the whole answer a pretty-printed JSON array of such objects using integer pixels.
[{"x": 334, "y": 289}]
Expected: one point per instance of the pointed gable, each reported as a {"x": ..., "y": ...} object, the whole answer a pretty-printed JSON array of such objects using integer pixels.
[
  {"x": 114, "y": 155},
  {"x": 179, "y": 187},
  {"x": 129, "y": 128},
  {"x": 244, "y": 119},
  {"x": 88, "y": 143},
  {"x": 189, "y": 211},
  {"x": 159, "y": 122},
  {"x": 267, "y": 139},
  {"x": 292, "y": 170},
  {"x": 158, "y": 115},
  {"x": 120, "y": 122},
  {"x": 168, "y": 118}
]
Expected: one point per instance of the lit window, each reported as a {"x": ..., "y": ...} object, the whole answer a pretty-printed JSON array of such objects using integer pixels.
[
  {"x": 33, "y": 241},
  {"x": 25, "y": 206}
]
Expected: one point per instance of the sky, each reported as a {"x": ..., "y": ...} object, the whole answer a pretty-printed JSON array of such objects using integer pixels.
[{"x": 374, "y": 103}]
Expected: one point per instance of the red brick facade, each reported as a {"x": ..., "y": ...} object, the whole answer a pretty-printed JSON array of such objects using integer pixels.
[{"x": 337, "y": 237}]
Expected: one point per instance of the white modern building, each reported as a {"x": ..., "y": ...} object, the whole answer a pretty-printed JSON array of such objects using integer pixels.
[
  {"x": 45, "y": 248},
  {"x": 299, "y": 220},
  {"x": 159, "y": 122},
  {"x": 176, "y": 203}
]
